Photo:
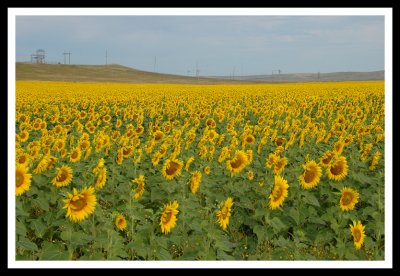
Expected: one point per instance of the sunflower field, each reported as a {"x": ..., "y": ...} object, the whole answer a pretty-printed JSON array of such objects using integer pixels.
[{"x": 200, "y": 172}]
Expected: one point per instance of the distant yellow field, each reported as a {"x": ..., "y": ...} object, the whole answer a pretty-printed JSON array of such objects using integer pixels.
[{"x": 200, "y": 172}]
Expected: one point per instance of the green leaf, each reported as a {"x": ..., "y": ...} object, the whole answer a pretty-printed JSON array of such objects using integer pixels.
[
  {"x": 277, "y": 224},
  {"x": 163, "y": 254},
  {"x": 139, "y": 246},
  {"x": 260, "y": 232},
  {"x": 226, "y": 245},
  {"x": 221, "y": 255},
  {"x": 42, "y": 202},
  {"x": 52, "y": 251},
  {"x": 190, "y": 254},
  {"x": 27, "y": 244},
  {"x": 20, "y": 228},
  {"x": 38, "y": 226},
  {"x": 295, "y": 215},
  {"x": 316, "y": 220},
  {"x": 311, "y": 199}
]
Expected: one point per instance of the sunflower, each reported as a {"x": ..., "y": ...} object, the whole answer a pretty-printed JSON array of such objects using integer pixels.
[
  {"x": 375, "y": 160},
  {"x": 326, "y": 158},
  {"x": 249, "y": 156},
  {"x": 168, "y": 217},
  {"x": 101, "y": 178},
  {"x": 140, "y": 186},
  {"x": 23, "y": 136},
  {"x": 339, "y": 146},
  {"x": 357, "y": 231},
  {"x": 271, "y": 160},
  {"x": 212, "y": 135},
  {"x": 58, "y": 144},
  {"x": 22, "y": 180},
  {"x": 224, "y": 214},
  {"x": 63, "y": 177},
  {"x": 311, "y": 175},
  {"x": 23, "y": 159},
  {"x": 75, "y": 155},
  {"x": 203, "y": 152},
  {"x": 338, "y": 169},
  {"x": 172, "y": 168},
  {"x": 188, "y": 162},
  {"x": 158, "y": 135},
  {"x": 280, "y": 165},
  {"x": 207, "y": 170},
  {"x": 279, "y": 192},
  {"x": 81, "y": 204},
  {"x": 238, "y": 162},
  {"x": 120, "y": 222},
  {"x": 349, "y": 199},
  {"x": 127, "y": 151},
  {"x": 250, "y": 175},
  {"x": 195, "y": 181},
  {"x": 249, "y": 139},
  {"x": 223, "y": 155},
  {"x": 156, "y": 158},
  {"x": 279, "y": 141},
  {"x": 44, "y": 164}
]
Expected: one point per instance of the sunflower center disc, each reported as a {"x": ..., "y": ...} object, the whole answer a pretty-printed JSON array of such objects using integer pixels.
[
  {"x": 337, "y": 169},
  {"x": 173, "y": 167},
  {"x": 62, "y": 177},
  {"x": 347, "y": 199},
  {"x": 79, "y": 204},
  {"x": 357, "y": 235},
  {"x": 309, "y": 176}
]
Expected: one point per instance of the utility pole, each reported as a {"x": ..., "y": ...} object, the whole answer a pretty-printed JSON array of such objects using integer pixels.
[
  {"x": 106, "y": 57},
  {"x": 69, "y": 57},
  {"x": 155, "y": 63},
  {"x": 197, "y": 70}
]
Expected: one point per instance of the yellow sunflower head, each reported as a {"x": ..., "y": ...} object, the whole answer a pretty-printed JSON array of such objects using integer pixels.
[
  {"x": 75, "y": 155},
  {"x": 189, "y": 162},
  {"x": 339, "y": 146},
  {"x": 168, "y": 217},
  {"x": 158, "y": 135},
  {"x": 23, "y": 159},
  {"x": 358, "y": 233},
  {"x": 250, "y": 175},
  {"x": 81, "y": 204},
  {"x": 271, "y": 160},
  {"x": 195, "y": 181},
  {"x": 172, "y": 168},
  {"x": 338, "y": 169},
  {"x": 311, "y": 175},
  {"x": 22, "y": 180},
  {"x": 238, "y": 162},
  {"x": 249, "y": 139},
  {"x": 207, "y": 170},
  {"x": 23, "y": 136},
  {"x": 327, "y": 158},
  {"x": 101, "y": 178},
  {"x": 140, "y": 186},
  {"x": 279, "y": 192},
  {"x": 224, "y": 214},
  {"x": 63, "y": 177},
  {"x": 348, "y": 199},
  {"x": 120, "y": 222},
  {"x": 280, "y": 165}
]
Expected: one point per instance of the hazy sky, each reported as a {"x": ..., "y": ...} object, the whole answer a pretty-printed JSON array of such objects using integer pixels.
[{"x": 221, "y": 45}]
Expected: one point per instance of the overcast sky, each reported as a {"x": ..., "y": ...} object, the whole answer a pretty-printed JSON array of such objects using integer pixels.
[{"x": 221, "y": 45}]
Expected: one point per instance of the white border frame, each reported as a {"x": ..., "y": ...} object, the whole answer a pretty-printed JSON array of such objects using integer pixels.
[{"x": 386, "y": 12}]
